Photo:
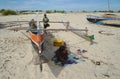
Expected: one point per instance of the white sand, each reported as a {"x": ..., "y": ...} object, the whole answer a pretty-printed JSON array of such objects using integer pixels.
[{"x": 18, "y": 59}]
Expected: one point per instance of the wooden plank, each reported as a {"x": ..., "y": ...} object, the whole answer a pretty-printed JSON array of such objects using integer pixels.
[
  {"x": 39, "y": 21},
  {"x": 66, "y": 30}
]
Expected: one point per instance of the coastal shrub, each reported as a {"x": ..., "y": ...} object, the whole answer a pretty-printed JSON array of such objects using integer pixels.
[
  {"x": 84, "y": 11},
  {"x": 61, "y": 11},
  {"x": 55, "y": 11},
  {"x": 111, "y": 11},
  {"x": 119, "y": 11},
  {"x": 49, "y": 11},
  {"x": 2, "y": 10},
  {"x": 9, "y": 12}
]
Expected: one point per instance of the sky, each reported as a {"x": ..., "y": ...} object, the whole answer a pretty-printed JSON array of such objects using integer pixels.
[{"x": 67, "y": 5}]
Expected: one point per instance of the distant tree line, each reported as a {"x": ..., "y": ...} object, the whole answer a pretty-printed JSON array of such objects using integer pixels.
[
  {"x": 28, "y": 11},
  {"x": 55, "y": 11},
  {"x": 8, "y": 12},
  {"x": 97, "y": 11},
  {"x": 47, "y": 11},
  {"x": 104, "y": 11},
  {"x": 13, "y": 12}
]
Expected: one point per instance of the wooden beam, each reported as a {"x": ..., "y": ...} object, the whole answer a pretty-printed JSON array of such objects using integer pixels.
[
  {"x": 66, "y": 30},
  {"x": 39, "y": 21}
]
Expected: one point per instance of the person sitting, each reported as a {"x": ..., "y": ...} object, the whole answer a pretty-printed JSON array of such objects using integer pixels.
[
  {"x": 32, "y": 25},
  {"x": 62, "y": 55}
]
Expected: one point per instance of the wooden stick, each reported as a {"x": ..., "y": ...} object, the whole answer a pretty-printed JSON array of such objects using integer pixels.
[
  {"x": 66, "y": 29},
  {"x": 39, "y": 21}
]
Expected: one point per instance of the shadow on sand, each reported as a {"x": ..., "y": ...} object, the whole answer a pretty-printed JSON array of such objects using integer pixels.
[
  {"x": 2, "y": 26},
  {"x": 112, "y": 25},
  {"x": 48, "y": 53}
]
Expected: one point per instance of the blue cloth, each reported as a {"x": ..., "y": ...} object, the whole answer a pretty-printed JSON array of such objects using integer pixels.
[
  {"x": 70, "y": 61},
  {"x": 72, "y": 58},
  {"x": 99, "y": 23}
]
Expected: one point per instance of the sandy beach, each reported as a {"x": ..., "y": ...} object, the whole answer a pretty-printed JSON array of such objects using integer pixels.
[{"x": 18, "y": 59}]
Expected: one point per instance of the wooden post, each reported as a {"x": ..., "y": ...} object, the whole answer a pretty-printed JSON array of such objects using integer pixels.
[
  {"x": 67, "y": 25},
  {"x": 86, "y": 31}
]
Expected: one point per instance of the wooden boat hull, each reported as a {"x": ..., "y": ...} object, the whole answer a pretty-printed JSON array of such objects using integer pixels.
[
  {"x": 94, "y": 19},
  {"x": 104, "y": 20},
  {"x": 37, "y": 39}
]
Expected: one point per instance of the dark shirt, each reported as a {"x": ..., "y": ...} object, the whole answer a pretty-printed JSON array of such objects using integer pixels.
[{"x": 61, "y": 56}]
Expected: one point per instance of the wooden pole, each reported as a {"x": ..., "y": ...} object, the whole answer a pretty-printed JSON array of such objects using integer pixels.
[
  {"x": 67, "y": 25},
  {"x": 86, "y": 30},
  {"x": 66, "y": 29}
]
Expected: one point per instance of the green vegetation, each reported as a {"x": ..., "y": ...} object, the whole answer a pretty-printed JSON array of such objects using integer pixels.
[
  {"x": 12, "y": 12},
  {"x": 59, "y": 11},
  {"x": 55, "y": 11},
  {"x": 2, "y": 10},
  {"x": 8, "y": 12},
  {"x": 33, "y": 11},
  {"x": 119, "y": 11},
  {"x": 111, "y": 11},
  {"x": 29, "y": 11},
  {"x": 49, "y": 11}
]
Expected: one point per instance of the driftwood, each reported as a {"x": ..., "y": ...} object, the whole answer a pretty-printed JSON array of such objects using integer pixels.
[{"x": 104, "y": 33}]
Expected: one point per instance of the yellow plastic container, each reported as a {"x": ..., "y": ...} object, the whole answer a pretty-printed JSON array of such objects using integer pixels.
[{"x": 58, "y": 42}]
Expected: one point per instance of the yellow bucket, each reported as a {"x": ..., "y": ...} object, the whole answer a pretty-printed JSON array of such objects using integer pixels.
[{"x": 58, "y": 42}]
